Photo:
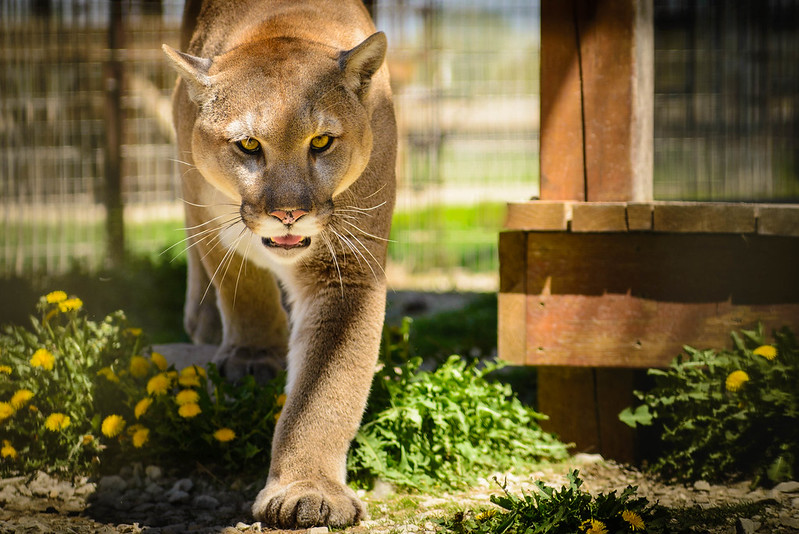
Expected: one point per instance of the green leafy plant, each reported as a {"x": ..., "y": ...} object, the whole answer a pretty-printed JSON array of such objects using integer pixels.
[
  {"x": 441, "y": 428},
  {"x": 76, "y": 395},
  {"x": 567, "y": 510},
  {"x": 729, "y": 413},
  {"x": 47, "y": 394}
]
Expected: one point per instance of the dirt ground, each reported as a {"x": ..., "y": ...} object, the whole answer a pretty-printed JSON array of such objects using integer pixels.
[{"x": 145, "y": 500}]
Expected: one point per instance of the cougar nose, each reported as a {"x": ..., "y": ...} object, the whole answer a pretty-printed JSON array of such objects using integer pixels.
[{"x": 288, "y": 216}]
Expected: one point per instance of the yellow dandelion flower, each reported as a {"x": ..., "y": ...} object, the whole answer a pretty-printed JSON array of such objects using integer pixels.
[
  {"x": 5, "y": 369},
  {"x": 193, "y": 370},
  {"x": 187, "y": 396},
  {"x": 594, "y": 526},
  {"x": 135, "y": 332},
  {"x": 6, "y": 410},
  {"x": 56, "y": 421},
  {"x": 281, "y": 399},
  {"x": 87, "y": 440},
  {"x": 54, "y": 297},
  {"x": 189, "y": 381},
  {"x": 112, "y": 426},
  {"x": 19, "y": 398},
  {"x": 7, "y": 451},
  {"x": 159, "y": 384},
  {"x": 139, "y": 366},
  {"x": 33, "y": 409},
  {"x": 70, "y": 305},
  {"x": 142, "y": 406},
  {"x": 634, "y": 520},
  {"x": 189, "y": 410},
  {"x": 109, "y": 374},
  {"x": 159, "y": 361},
  {"x": 485, "y": 514},
  {"x": 736, "y": 380},
  {"x": 43, "y": 358},
  {"x": 224, "y": 435},
  {"x": 769, "y": 352},
  {"x": 140, "y": 437}
]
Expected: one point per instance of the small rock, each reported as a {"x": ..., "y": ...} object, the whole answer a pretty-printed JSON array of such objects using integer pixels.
[
  {"x": 205, "y": 501},
  {"x": 787, "y": 487},
  {"x": 184, "y": 484},
  {"x": 241, "y": 527},
  {"x": 790, "y": 522},
  {"x": 382, "y": 489},
  {"x": 112, "y": 483},
  {"x": 41, "y": 485},
  {"x": 85, "y": 489},
  {"x": 745, "y": 526},
  {"x": 701, "y": 485},
  {"x": 586, "y": 458},
  {"x": 795, "y": 503},
  {"x": 317, "y": 530},
  {"x": 175, "y": 496},
  {"x": 153, "y": 472},
  {"x": 153, "y": 489}
]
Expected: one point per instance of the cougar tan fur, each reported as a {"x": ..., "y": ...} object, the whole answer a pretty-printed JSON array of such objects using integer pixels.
[{"x": 287, "y": 139}]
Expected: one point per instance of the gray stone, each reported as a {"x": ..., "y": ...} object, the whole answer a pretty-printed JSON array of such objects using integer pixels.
[
  {"x": 317, "y": 530},
  {"x": 153, "y": 472},
  {"x": 112, "y": 483},
  {"x": 205, "y": 501},
  {"x": 791, "y": 486},
  {"x": 184, "y": 484},
  {"x": 701, "y": 485},
  {"x": 745, "y": 526},
  {"x": 175, "y": 496},
  {"x": 790, "y": 522}
]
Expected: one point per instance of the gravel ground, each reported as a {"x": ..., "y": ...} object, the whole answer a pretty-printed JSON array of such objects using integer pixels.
[{"x": 144, "y": 500}]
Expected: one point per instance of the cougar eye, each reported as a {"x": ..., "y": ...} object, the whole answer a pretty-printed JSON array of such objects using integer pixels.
[
  {"x": 320, "y": 143},
  {"x": 249, "y": 145}
]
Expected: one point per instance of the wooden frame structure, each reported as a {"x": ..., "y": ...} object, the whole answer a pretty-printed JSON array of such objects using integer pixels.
[{"x": 598, "y": 280}]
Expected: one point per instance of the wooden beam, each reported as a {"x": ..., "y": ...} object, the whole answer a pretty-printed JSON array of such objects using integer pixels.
[
  {"x": 634, "y": 299},
  {"x": 538, "y": 215},
  {"x": 597, "y": 95},
  {"x": 512, "y": 298}
]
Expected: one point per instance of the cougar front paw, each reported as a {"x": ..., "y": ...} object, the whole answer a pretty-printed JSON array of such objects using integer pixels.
[
  {"x": 308, "y": 503},
  {"x": 234, "y": 363}
]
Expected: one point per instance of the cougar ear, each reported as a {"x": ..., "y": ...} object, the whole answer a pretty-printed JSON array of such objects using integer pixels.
[
  {"x": 193, "y": 70},
  {"x": 360, "y": 63}
]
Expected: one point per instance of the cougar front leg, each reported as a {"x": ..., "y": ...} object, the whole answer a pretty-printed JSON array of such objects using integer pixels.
[
  {"x": 331, "y": 363},
  {"x": 254, "y": 323}
]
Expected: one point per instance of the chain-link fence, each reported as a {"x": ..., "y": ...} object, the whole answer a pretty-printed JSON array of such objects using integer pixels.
[{"x": 85, "y": 124}]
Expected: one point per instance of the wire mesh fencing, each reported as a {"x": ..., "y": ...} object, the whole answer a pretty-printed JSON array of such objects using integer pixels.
[{"x": 465, "y": 80}]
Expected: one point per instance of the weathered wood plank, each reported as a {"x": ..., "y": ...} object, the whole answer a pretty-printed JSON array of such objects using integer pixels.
[
  {"x": 704, "y": 217},
  {"x": 639, "y": 216},
  {"x": 616, "y": 43},
  {"x": 599, "y": 217},
  {"x": 512, "y": 298},
  {"x": 538, "y": 215},
  {"x": 561, "y": 136},
  {"x": 778, "y": 219},
  {"x": 633, "y": 299}
]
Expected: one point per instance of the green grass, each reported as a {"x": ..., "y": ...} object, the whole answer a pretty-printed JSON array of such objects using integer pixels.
[{"x": 446, "y": 237}]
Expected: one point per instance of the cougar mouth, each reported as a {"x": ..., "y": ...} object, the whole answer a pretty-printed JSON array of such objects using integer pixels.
[{"x": 286, "y": 241}]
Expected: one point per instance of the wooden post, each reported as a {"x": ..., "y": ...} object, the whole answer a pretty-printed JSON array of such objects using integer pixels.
[
  {"x": 596, "y": 145},
  {"x": 115, "y": 228},
  {"x": 597, "y": 94}
]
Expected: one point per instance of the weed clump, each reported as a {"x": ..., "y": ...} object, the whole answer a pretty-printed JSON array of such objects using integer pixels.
[{"x": 727, "y": 414}]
